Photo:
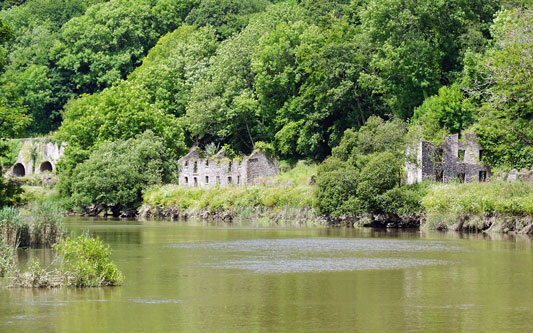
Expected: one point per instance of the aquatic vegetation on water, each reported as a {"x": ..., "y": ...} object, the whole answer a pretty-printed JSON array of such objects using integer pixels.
[{"x": 84, "y": 262}]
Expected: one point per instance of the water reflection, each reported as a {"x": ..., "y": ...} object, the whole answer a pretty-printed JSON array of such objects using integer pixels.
[{"x": 196, "y": 277}]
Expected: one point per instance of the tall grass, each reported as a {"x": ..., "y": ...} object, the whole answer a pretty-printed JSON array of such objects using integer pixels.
[
  {"x": 13, "y": 228},
  {"x": 231, "y": 197},
  {"x": 446, "y": 203},
  {"x": 299, "y": 173},
  {"x": 43, "y": 227},
  {"x": 7, "y": 259}
]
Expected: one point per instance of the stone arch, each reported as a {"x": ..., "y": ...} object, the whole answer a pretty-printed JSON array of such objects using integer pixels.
[
  {"x": 19, "y": 170},
  {"x": 46, "y": 167}
]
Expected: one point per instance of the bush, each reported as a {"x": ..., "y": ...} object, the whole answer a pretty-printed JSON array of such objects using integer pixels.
[
  {"x": 87, "y": 263},
  {"x": 117, "y": 173},
  {"x": 403, "y": 200},
  {"x": 336, "y": 188},
  {"x": 382, "y": 173}
]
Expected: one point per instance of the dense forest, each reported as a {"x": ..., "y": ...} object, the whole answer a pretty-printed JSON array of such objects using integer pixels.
[{"x": 292, "y": 75}]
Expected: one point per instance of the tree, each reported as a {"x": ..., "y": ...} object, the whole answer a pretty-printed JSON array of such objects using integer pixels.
[
  {"x": 419, "y": 45},
  {"x": 501, "y": 79},
  {"x": 363, "y": 169},
  {"x": 449, "y": 112},
  {"x": 223, "y": 106},
  {"x": 225, "y": 16},
  {"x": 111, "y": 39},
  {"x": 116, "y": 173},
  {"x": 119, "y": 112},
  {"x": 174, "y": 65}
]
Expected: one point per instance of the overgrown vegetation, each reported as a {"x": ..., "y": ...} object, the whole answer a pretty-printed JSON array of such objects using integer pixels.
[
  {"x": 83, "y": 262},
  {"x": 446, "y": 204},
  {"x": 116, "y": 174},
  {"x": 86, "y": 262},
  {"x": 231, "y": 198},
  {"x": 365, "y": 171},
  {"x": 43, "y": 227}
]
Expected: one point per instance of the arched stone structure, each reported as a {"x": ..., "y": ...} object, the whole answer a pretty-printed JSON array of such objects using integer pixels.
[
  {"x": 19, "y": 170},
  {"x": 46, "y": 167}
]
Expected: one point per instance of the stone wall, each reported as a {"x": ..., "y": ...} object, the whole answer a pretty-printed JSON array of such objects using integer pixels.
[
  {"x": 196, "y": 170},
  {"x": 37, "y": 156},
  {"x": 452, "y": 160}
]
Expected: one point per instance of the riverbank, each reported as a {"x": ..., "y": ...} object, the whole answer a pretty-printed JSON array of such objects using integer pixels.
[
  {"x": 473, "y": 207},
  {"x": 496, "y": 206},
  {"x": 283, "y": 204}
]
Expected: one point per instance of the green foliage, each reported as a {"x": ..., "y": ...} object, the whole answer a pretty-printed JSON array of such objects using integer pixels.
[
  {"x": 12, "y": 227},
  {"x": 382, "y": 173},
  {"x": 43, "y": 227},
  {"x": 111, "y": 39},
  {"x": 502, "y": 79},
  {"x": 120, "y": 112},
  {"x": 173, "y": 66},
  {"x": 233, "y": 198},
  {"x": 46, "y": 227},
  {"x": 5, "y": 35},
  {"x": 376, "y": 136},
  {"x": 449, "y": 112},
  {"x": 226, "y": 16},
  {"x": 10, "y": 190},
  {"x": 364, "y": 173},
  {"x": 419, "y": 45},
  {"x": 404, "y": 200},
  {"x": 337, "y": 188},
  {"x": 456, "y": 200},
  {"x": 87, "y": 262},
  {"x": 299, "y": 173},
  {"x": 116, "y": 174},
  {"x": 32, "y": 83},
  {"x": 7, "y": 259}
]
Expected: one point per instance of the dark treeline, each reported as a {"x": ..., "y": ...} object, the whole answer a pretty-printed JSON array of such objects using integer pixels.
[{"x": 293, "y": 74}]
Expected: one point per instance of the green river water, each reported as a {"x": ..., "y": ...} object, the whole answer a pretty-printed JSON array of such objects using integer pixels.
[{"x": 195, "y": 277}]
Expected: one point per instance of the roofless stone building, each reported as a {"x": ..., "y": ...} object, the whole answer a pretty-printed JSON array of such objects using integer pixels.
[
  {"x": 196, "y": 170},
  {"x": 454, "y": 159}
]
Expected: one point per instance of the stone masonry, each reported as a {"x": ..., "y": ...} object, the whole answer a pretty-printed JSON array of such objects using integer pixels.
[
  {"x": 196, "y": 170},
  {"x": 37, "y": 156},
  {"x": 454, "y": 159}
]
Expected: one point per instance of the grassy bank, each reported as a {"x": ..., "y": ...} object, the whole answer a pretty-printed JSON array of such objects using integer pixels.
[
  {"x": 287, "y": 198},
  {"x": 282, "y": 203},
  {"x": 497, "y": 206}
]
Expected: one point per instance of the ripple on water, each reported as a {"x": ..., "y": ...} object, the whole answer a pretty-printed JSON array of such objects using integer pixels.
[
  {"x": 318, "y": 254},
  {"x": 155, "y": 301},
  {"x": 322, "y": 245},
  {"x": 323, "y": 264}
]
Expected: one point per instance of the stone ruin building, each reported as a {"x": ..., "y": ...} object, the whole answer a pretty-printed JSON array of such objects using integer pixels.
[
  {"x": 454, "y": 159},
  {"x": 37, "y": 156},
  {"x": 196, "y": 170}
]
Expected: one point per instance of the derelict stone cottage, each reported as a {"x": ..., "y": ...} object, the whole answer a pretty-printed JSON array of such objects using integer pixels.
[
  {"x": 196, "y": 170},
  {"x": 454, "y": 159}
]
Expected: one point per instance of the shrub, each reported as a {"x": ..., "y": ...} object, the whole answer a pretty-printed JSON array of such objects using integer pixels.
[
  {"x": 87, "y": 262},
  {"x": 403, "y": 200},
  {"x": 381, "y": 173},
  {"x": 117, "y": 173},
  {"x": 336, "y": 188}
]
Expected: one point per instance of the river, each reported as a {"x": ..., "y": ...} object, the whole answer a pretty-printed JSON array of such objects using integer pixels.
[{"x": 197, "y": 277}]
